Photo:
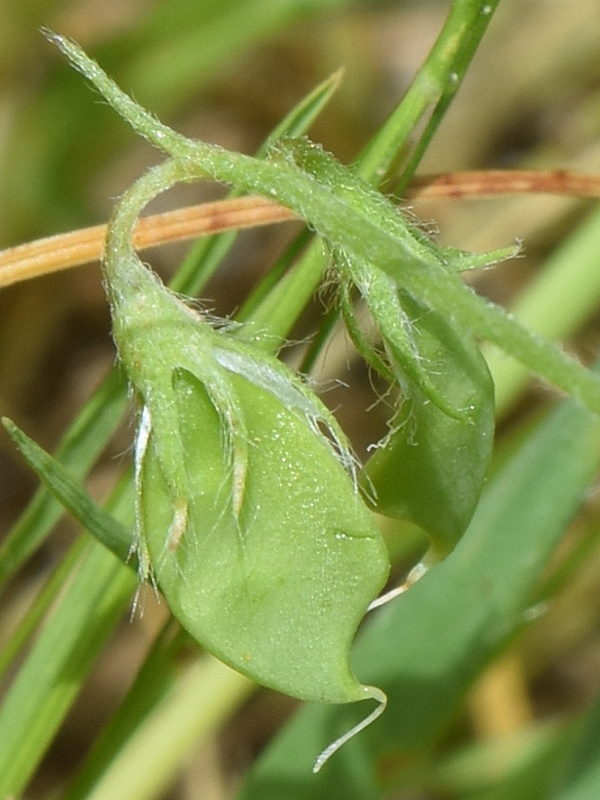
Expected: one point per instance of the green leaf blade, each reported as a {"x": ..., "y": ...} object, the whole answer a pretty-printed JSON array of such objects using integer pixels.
[
  {"x": 71, "y": 496},
  {"x": 58, "y": 664},
  {"x": 582, "y": 775},
  {"x": 79, "y": 448}
]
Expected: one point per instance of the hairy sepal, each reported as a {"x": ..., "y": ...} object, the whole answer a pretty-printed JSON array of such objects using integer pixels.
[
  {"x": 278, "y": 589},
  {"x": 248, "y": 514},
  {"x": 431, "y": 468}
]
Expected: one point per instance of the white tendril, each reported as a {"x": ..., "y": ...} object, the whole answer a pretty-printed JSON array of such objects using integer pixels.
[{"x": 371, "y": 692}]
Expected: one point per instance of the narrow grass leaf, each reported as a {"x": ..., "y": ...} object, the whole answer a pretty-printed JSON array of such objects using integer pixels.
[
  {"x": 201, "y": 699},
  {"x": 58, "y": 664},
  {"x": 582, "y": 781},
  {"x": 71, "y": 495},
  {"x": 38, "y": 609},
  {"x": 80, "y": 447},
  {"x": 152, "y": 682}
]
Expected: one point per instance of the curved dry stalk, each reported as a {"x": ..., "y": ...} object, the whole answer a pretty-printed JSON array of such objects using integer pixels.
[
  {"x": 84, "y": 246},
  {"x": 479, "y": 183}
]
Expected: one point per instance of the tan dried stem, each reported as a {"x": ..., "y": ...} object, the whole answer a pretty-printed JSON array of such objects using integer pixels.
[{"x": 84, "y": 246}]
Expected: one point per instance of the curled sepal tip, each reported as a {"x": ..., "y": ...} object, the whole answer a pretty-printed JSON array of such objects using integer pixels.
[{"x": 369, "y": 693}]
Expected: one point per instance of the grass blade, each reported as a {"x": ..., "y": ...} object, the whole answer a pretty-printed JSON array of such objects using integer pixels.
[{"x": 71, "y": 496}]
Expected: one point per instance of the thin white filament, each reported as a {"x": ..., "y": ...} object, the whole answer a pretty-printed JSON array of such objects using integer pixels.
[
  {"x": 388, "y": 596},
  {"x": 414, "y": 575},
  {"x": 371, "y": 692},
  {"x": 139, "y": 452}
]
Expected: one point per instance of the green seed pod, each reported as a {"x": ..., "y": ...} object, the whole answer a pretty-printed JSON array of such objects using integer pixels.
[
  {"x": 248, "y": 513},
  {"x": 277, "y": 587}
]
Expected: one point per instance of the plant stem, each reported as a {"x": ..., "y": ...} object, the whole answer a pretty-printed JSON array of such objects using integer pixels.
[
  {"x": 84, "y": 246},
  {"x": 444, "y": 70},
  {"x": 435, "y": 84}
]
